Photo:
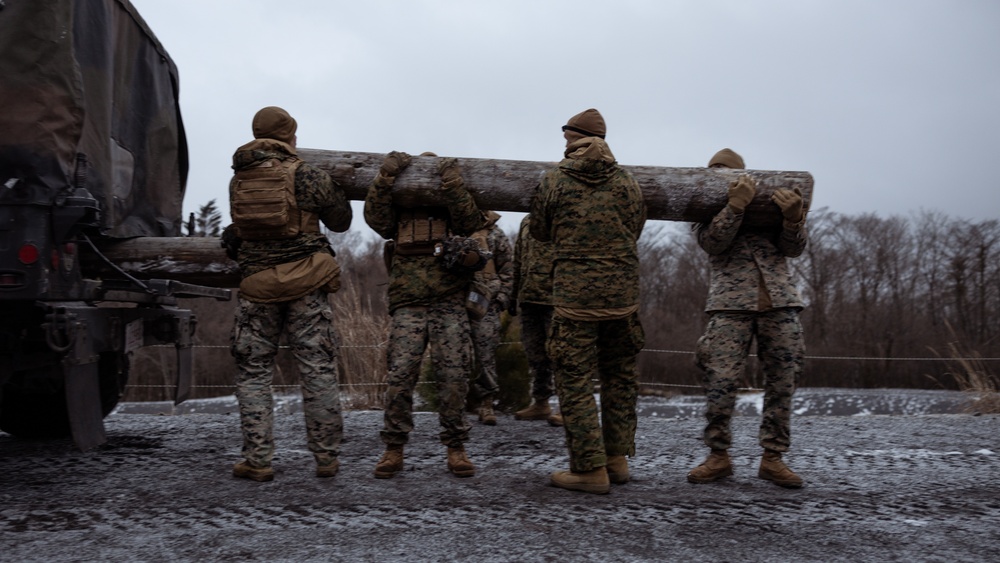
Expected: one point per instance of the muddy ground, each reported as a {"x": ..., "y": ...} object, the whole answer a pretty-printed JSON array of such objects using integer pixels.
[{"x": 920, "y": 483}]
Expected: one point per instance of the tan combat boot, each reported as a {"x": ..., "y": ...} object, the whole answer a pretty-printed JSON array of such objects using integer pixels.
[
  {"x": 328, "y": 470},
  {"x": 618, "y": 469},
  {"x": 391, "y": 462},
  {"x": 486, "y": 414},
  {"x": 555, "y": 420},
  {"x": 538, "y": 410},
  {"x": 595, "y": 481},
  {"x": 243, "y": 470},
  {"x": 775, "y": 470},
  {"x": 715, "y": 467},
  {"x": 459, "y": 464}
]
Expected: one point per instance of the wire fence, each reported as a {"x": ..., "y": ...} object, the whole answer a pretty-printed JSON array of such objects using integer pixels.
[{"x": 644, "y": 384}]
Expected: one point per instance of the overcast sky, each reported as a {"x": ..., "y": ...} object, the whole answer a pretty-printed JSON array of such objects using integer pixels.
[{"x": 892, "y": 105}]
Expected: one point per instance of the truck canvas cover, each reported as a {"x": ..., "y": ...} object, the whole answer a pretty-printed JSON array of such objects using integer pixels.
[{"x": 89, "y": 98}]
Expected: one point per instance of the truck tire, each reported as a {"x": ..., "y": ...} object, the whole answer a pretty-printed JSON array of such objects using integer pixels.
[{"x": 40, "y": 413}]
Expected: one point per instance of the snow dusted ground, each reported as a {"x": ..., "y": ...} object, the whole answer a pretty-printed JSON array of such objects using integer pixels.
[{"x": 898, "y": 476}]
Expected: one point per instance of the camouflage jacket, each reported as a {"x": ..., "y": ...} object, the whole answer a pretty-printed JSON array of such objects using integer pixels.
[
  {"x": 315, "y": 191},
  {"x": 417, "y": 280},
  {"x": 593, "y": 212},
  {"x": 500, "y": 279},
  {"x": 532, "y": 268},
  {"x": 749, "y": 270}
]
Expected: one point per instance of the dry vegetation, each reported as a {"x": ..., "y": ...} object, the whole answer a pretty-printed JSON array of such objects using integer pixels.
[{"x": 881, "y": 293}]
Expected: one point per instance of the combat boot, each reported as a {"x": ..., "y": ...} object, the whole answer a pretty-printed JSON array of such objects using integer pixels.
[
  {"x": 595, "y": 481},
  {"x": 459, "y": 464},
  {"x": 775, "y": 470},
  {"x": 618, "y": 469},
  {"x": 244, "y": 470},
  {"x": 715, "y": 467},
  {"x": 391, "y": 462},
  {"x": 328, "y": 470},
  {"x": 555, "y": 420},
  {"x": 486, "y": 414},
  {"x": 538, "y": 410}
]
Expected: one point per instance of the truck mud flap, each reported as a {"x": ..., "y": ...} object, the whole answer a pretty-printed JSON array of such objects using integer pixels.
[{"x": 83, "y": 403}]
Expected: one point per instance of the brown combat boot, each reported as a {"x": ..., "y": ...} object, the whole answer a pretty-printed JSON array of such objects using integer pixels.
[
  {"x": 715, "y": 467},
  {"x": 538, "y": 410},
  {"x": 391, "y": 462},
  {"x": 595, "y": 481},
  {"x": 459, "y": 464},
  {"x": 618, "y": 469},
  {"x": 555, "y": 420},
  {"x": 775, "y": 470},
  {"x": 243, "y": 470},
  {"x": 486, "y": 414},
  {"x": 328, "y": 470}
]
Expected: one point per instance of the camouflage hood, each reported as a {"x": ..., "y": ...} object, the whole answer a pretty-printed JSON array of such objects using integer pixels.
[
  {"x": 589, "y": 160},
  {"x": 261, "y": 149}
]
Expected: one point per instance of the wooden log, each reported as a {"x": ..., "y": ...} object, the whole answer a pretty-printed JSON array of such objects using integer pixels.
[
  {"x": 197, "y": 260},
  {"x": 671, "y": 194}
]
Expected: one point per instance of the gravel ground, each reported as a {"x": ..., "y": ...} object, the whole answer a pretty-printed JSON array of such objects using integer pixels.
[{"x": 921, "y": 483}]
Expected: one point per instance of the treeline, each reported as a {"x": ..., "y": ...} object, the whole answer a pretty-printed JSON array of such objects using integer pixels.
[{"x": 892, "y": 302}]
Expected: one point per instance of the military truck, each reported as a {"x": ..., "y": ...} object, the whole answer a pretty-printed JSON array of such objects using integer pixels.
[{"x": 92, "y": 149}]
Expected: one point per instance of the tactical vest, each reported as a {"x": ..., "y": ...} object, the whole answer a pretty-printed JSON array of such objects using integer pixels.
[
  {"x": 420, "y": 231},
  {"x": 262, "y": 202}
]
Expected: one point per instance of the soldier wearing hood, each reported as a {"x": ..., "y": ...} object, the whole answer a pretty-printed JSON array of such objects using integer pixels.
[
  {"x": 592, "y": 211},
  {"x": 287, "y": 270}
]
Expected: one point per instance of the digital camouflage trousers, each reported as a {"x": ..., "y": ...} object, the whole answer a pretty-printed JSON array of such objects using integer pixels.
[
  {"x": 604, "y": 351},
  {"x": 536, "y": 321},
  {"x": 485, "y": 339},
  {"x": 721, "y": 354},
  {"x": 444, "y": 326},
  {"x": 307, "y": 324}
]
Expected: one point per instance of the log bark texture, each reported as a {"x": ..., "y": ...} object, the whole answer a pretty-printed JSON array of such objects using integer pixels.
[
  {"x": 672, "y": 194},
  {"x": 197, "y": 260}
]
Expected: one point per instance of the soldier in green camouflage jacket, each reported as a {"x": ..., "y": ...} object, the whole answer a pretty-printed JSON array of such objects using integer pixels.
[
  {"x": 751, "y": 296},
  {"x": 495, "y": 279},
  {"x": 427, "y": 304},
  {"x": 592, "y": 211},
  {"x": 531, "y": 301},
  {"x": 284, "y": 288}
]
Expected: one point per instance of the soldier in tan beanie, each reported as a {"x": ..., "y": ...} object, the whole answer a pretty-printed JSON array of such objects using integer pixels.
[
  {"x": 751, "y": 297},
  {"x": 287, "y": 270},
  {"x": 273, "y": 122},
  {"x": 591, "y": 212}
]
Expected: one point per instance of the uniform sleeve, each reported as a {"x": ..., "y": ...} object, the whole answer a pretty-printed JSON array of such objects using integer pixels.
[
  {"x": 379, "y": 212},
  {"x": 518, "y": 258},
  {"x": 716, "y": 237},
  {"x": 503, "y": 259},
  {"x": 792, "y": 241},
  {"x": 539, "y": 216},
  {"x": 466, "y": 217},
  {"x": 317, "y": 192}
]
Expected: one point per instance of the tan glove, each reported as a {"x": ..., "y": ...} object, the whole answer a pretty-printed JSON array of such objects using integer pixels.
[
  {"x": 449, "y": 170},
  {"x": 394, "y": 163},
  {"x": 741, "y": 192},
  {"x": 790, "y": 202}
]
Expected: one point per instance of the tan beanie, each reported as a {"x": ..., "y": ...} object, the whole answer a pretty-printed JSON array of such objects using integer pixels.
[
  {"x": 727, "y": 158},
  {"x": 588, "y": 122},
  {"x": 273, "y": 122}
]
